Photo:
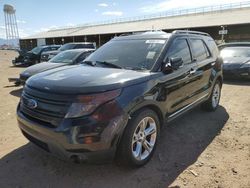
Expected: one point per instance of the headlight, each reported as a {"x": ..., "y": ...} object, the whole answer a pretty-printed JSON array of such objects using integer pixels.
[
  {"x": 246, "y": 65},
  {"x": 86, "y": 104}
]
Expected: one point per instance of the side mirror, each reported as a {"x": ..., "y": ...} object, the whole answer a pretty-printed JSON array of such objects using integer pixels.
[
  {"x": 176, "y": 62},
  {"x": 172, "y": 64}
]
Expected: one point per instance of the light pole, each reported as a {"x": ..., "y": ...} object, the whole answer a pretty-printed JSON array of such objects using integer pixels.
[
  {"x": 31, "y": 45},
  {"x": 222, "y": 34}
]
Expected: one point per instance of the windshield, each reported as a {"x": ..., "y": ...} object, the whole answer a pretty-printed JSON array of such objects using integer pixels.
[
  {"x": 36, "y": 50},
  {"x": 66, "y": 47},
  {"x": 235, "y": 52},
  {"x": 65, "y": 57},
  {"x": 129, "y": 54}
]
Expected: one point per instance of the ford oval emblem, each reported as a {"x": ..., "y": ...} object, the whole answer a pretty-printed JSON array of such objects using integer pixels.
[{"x": 31, "y": 103}]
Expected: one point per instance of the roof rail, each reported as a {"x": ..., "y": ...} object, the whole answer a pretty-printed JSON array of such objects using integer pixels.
[
  {"x": 141, "y": 32},
  {"x": 190, "y": 32}
]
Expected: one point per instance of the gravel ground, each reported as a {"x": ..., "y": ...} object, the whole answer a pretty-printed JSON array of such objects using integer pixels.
[{"x": 199, "y": 149}]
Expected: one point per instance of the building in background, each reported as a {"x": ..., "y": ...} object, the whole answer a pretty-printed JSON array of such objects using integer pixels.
[{"x": 225, "y": 23}]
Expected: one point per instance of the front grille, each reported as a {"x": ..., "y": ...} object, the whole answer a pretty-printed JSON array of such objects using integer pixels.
[
  {"x": 50, "y": 108},
  {"x": 36, "y": 141}
]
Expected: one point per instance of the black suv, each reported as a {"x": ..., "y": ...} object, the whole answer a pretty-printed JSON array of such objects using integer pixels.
[
  {"x": 116, "y": 102},
  {"x": 46, "y": 56},
  {"x": 32, "y": 57}
]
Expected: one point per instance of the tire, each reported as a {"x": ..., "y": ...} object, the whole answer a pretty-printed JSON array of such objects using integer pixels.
[
  {"x": 213, "y": 102},
  {"x": 132, "y": 148}
]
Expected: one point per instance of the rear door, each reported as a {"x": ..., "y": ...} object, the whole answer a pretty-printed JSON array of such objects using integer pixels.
[{"x": 205, "y": 61}]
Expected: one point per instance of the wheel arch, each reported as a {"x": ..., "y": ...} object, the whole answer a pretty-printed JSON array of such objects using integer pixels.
[{"x": 152, "y": 107}]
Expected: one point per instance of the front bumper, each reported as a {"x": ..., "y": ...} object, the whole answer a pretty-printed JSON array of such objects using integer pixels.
[
  {"x": 83, "y": 139},
  {"x": 19, "y": 81},
  {"x": 24, "y": 62},
  {"x": 16, "y": 81}
]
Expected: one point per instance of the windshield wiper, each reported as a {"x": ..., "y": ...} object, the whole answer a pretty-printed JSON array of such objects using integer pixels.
[
  {"x": 109, "y": 64},
  {"x": 136, "y": 68}
]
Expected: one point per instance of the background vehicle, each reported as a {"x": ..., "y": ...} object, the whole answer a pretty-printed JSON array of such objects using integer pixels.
[
  {"x": 236, "y": 58},
  {"x": 234, "y": 44},
  {"x": 69, "y": 57},
  {"x": 32, "y": 57},
  {"x": 46, "y": 56},
  {"x": 20, "y": 58},
  {"x": 116, "y": 102}
]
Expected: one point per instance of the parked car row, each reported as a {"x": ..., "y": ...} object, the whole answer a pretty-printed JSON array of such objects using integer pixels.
[
  {"x": 46, "y": 56},
  {"x": 114, "y": 103},
  {"x": 68, "y": 57},
  {"x": 45, "y": 53}
]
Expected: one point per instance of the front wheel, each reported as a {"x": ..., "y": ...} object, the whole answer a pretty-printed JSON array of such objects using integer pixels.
[
  {"x": 213, "y": 102},
  {"x": 139, "y": 139}
]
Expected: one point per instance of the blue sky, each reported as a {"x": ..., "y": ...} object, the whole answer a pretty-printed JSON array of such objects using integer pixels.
[{"x": 40, "y": 15}]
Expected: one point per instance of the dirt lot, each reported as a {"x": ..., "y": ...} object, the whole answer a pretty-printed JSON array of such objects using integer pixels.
[{"x": 198, "y": 150}]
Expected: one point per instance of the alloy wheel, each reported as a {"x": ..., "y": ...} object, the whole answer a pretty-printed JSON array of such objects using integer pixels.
[
  {"x": 216, "y": 95},
  {"x": 144, "y": 138}
]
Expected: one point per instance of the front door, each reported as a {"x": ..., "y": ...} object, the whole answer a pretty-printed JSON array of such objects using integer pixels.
[{"x": 179, "y": 85}]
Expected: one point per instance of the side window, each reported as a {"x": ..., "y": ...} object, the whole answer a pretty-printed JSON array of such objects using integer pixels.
[
  {"x": 54, "y": 48},
  {"x": 46, "y": 49},
  {"x": 213, "y": 48},
  {"x": 180, "y": 48},
  {"x": 78, "y": 46},
  {"x": 200, "y": 50},
  {"x": 84, "y": 46},
  {"x": 82, "y": 57}
]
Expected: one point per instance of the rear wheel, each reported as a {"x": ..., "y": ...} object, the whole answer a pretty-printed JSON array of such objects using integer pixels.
[
  {"x": 213, "y": 102},
  {"x": 140, "y": 137}
]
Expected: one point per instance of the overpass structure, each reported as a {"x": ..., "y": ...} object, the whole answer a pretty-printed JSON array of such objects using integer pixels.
[{"x": 234, "y": 18}]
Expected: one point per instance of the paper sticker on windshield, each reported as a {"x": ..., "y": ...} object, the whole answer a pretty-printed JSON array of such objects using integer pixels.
[
  {"x": 151, "y": 55},
  {"x": 155, "y": 41}
]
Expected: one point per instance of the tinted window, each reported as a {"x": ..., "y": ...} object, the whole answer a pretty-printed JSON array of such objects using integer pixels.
[
  {"x": 180, "y": 48},
  {"x": 37, "y": 50},
  {"x": 65, "y": 57},
  {"x": 67, "y": 47},
  {"x": 84, "y": 46},
  {"x": 83, "y": 56},
  {"x": 54, "y": 48},
  {"x": 199, "y": 49},
  {"x": 213, "y": 48},
  {"x": 130, "y": 54},
  {"x": 46, "y": 49}
]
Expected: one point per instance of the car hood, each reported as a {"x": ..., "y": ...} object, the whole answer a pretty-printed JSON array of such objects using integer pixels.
[
  {"x": 40, "y": 67},
  {"x": 80, "y": 79},
  {"x": 51, "y": 52},
  {"x": 234, "y": 62}
]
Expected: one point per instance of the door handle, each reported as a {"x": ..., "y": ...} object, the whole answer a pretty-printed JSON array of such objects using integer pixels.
[{"x": 192, "y": 71}]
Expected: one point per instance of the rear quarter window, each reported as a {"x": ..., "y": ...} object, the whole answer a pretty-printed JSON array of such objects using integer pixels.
[{"x": 213, "y": 48}]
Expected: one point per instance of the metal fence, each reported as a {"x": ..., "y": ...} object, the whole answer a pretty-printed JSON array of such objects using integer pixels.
[{"x": 169, "y": 13}]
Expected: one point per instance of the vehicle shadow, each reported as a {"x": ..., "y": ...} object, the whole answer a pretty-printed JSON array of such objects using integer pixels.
[
  {"x": 181, "y": 143},
  {"x": 19, "y": 66},
  {"x": 16, "y": 92}
]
